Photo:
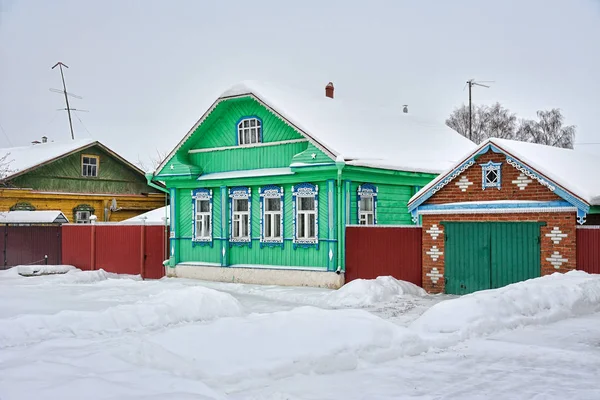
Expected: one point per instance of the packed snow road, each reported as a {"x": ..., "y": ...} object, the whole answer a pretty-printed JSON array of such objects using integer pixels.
[{"x": 96, "y": 335}]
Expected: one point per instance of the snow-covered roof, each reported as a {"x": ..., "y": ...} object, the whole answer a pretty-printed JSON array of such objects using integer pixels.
[
  {"x": 151, "y": 217},
  {"x": 23, "y": 158},
  {"x": 573, "y": 170},
  {"x": 32, "y": 217},
  {"x": 363, "y": 134}
]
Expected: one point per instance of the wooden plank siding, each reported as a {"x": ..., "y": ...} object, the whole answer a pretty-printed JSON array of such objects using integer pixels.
[{"x": 131, "y": 205}]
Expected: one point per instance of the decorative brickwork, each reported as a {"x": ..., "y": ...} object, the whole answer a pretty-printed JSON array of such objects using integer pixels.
[
  {"x": 557, "y": 250},
  {"x": 526, "y": 189},
  {"x": 463, "y": 183}
]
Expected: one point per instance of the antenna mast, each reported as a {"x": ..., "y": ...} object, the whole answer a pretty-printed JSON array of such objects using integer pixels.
[
  {"x": 60, "y": 66},
  {"x": 471, "y": 83}
]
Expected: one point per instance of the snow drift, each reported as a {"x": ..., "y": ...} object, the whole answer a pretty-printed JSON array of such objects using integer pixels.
[
  {"x": 276, "y": 345},
  {"x": 536, "y": 301},
  {"x": 169, "y": 307},
  {"x": 36, "y": 270},
  {"x": 367, "y": 292}
]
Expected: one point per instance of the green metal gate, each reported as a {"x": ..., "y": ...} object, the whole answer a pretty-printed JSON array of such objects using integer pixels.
[{"x": 486, "y": 255}]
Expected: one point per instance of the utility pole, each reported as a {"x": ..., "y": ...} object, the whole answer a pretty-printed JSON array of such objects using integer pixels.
[
  {"x": 60, "y": 66},
  {"x": 471, "y": 83}
]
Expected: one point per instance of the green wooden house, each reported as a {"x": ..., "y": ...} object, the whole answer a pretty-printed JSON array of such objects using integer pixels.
[{"x": 263, "y": 186}]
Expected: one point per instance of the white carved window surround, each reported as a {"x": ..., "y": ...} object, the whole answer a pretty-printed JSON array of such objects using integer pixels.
[
  {"x": 249, "y": 131},
  {"x": 367, "y": 204},
  {"x": 491, "y": 175}
]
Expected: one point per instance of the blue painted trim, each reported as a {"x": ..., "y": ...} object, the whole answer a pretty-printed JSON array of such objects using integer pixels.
[
  {"x": 173, "y": 215},
  {"x": 275, "y": 191},
  {"x": 237, "y": 133},
  {"x": 559, "y": 191},
  {"x": 199, "y": 194},
  {"x": 224, "y": 239},
  {"x": 370, "y": 190},
  {"x": 240, "y": 192},
  {"x": 484, "y": 206},
  {"x": 491, "y": 166},
  {"x": 310, "y": 190}
]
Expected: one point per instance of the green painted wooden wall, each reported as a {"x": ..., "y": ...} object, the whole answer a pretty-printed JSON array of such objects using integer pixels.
[
  {"x": 64, "y": 175},
  {"x": 392, "y": 203},
  {"x": 277, "y": 256},
  {"x": 245, "y": 158}
]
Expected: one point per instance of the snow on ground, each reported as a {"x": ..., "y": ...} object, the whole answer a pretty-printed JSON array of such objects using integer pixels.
[
  {"x": 31, "y": 270},
  {"x": 93, "y": 335}
]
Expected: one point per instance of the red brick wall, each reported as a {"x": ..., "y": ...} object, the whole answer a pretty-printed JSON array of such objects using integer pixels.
[
  {"x": 509, "y": 191},
  {"x": 566, "y": 246}
]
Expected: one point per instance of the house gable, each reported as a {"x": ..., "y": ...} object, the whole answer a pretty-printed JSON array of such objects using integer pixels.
[
  {"x": 514, "y": 184},
  {"x": 212, "y": 146},
  {"x": 519, "y": 183},
  {"x": 65, "y": 175}
]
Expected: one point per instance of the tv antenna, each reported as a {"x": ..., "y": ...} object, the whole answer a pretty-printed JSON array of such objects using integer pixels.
[
  {"x": 60, "y": 65},
  {"x": 471, "y": 83}
]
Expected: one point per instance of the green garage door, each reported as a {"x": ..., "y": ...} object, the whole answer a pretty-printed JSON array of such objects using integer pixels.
[{"x": 485, "y": 255}]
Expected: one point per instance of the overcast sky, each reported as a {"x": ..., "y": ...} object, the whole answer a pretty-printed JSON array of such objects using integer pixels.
[{"x": 148, "y": 69}]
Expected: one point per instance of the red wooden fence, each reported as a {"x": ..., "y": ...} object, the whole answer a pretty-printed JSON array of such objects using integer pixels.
[
  {"x": 122, "y": 249},
  {"x": 20, "y": 245},
  {"x": 588, "y": 249},
  {"x": 379, "y": 251}
]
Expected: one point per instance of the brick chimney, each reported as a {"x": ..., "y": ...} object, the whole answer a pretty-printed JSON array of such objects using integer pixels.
[{"x": 329, "y": 90}]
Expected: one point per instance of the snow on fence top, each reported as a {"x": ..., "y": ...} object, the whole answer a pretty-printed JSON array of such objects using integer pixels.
[
  {"x": 156, "y": 216},
  {"x": 363, "y": 134},
  {"x": 32, "y": 217}
]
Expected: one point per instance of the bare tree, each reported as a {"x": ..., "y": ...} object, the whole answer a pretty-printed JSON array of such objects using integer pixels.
[
  {"x": 494, "y": 121},
  {"x": 5, "y": 169},
  {"x": 153, "y": 162},
  {"x": 549, "y": 130}
]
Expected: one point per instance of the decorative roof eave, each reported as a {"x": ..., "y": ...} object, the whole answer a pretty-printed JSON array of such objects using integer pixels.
[
  {"x": 68, "y": 153},
  {"x": 498, "y": 208},
  {"x": 332, "y": 154},
  {"x": 442, "y": 181}
]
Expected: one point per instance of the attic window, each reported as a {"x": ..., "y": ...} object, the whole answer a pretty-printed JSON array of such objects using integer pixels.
[
  {"x": 491, "y": 175},
  {"x": 89, "y": 165},
  {"x": 249, "y": 131}
]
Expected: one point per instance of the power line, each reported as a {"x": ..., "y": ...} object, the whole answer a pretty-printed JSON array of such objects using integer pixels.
[
  {"x": 5, "y": 135},
  {"x": 84, "y": 127}
]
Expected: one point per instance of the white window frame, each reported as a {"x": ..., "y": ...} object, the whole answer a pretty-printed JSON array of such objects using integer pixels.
[
  {"x": 367, "y": 191},
  {"x": 249, "y": 131},
  {"x": 305, "y": 190},
  {"x": 488, "y": 167},
  {"x": 88, "y": 169},
  {"x": 198, "y": 196},
  {"x": 269, "y": 193},
  {"x": 237, "y": 217},
  {"x": 81, "y": 220}
]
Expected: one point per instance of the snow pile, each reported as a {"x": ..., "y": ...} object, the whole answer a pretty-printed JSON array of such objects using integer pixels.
[
  {"x": 36, "y": 270},
  {"x": 536, "y": 301},
  {"x": 166, "y": 308},
  {"x": 367, "y": 292},
  {"x": 304, "y": 340}
]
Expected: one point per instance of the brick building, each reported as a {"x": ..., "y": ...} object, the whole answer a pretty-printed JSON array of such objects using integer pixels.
[{"x": 506, "y": 213}]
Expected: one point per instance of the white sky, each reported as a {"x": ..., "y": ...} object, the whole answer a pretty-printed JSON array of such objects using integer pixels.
[{"x": 148, "y": 69}]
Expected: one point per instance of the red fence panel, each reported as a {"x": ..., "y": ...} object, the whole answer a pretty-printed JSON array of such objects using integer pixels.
[
  {"x": 31, "y": 245},
  {"x": 380, "y": 251},
  {"x": 588, "y": 249},
  {"x": 122, "y": 249},
  {"x": 156, "y": 240},
  {"x": 118, "y": 248},
  {"x": 77, "y": 246}
]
